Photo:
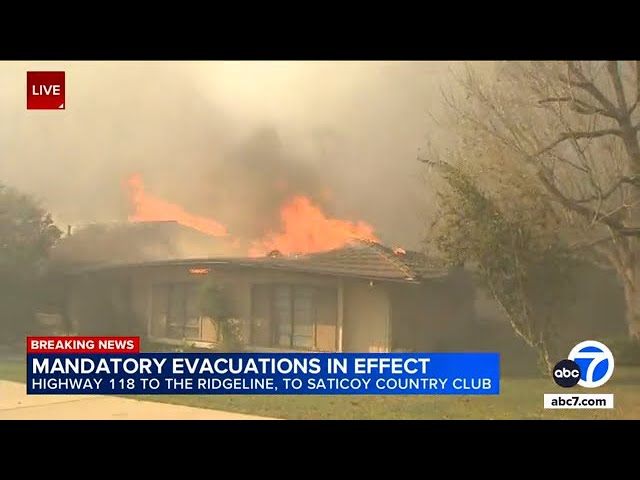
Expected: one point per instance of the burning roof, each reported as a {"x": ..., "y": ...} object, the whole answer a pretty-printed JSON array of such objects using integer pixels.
[
  {"x": 359, "y": 259},
  {"x": 149, "y": 208},
  {"x": 307, "y": 240},
  {"x": 125, "y": 242},
  {"x": 304, "y": 226}
]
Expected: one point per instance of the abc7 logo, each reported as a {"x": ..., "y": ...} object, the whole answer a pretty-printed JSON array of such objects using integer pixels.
[{"x": 590, "y": 364}]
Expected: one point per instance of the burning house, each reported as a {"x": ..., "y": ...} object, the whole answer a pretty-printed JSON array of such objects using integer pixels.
[
  {"x": 319, "y": 283},
  {"x": 361, "y": 297}
]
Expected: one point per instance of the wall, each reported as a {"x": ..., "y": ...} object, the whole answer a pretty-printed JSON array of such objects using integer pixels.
[
  {"x": 366, "y": 324},
  {"x": 433, "y": 315},
  {"x": 240, "y": 283}
]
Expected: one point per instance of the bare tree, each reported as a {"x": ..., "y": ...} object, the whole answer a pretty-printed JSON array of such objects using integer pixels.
[{"x": 574, "y": 125}]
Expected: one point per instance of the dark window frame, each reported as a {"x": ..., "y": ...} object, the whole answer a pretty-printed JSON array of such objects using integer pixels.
[
  {"x": 276, "y": 322},
  {"x": 182, "y": 325}
]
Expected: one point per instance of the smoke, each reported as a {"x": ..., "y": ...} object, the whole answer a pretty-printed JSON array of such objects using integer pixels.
[{"x": 230, "y": 140}]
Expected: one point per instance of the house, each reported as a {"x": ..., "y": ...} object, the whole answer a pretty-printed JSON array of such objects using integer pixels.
[{"x": 364, "y": 297}]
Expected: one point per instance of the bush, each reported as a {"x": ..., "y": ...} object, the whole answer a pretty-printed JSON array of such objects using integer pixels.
[
  {"x": 216, "y": 304},
  {"x": 625, "y": 350},
  {"x": 231, "y": 339}
]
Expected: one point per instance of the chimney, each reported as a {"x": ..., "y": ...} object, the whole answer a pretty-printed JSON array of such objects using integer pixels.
[{"x": 68, "y": 230}]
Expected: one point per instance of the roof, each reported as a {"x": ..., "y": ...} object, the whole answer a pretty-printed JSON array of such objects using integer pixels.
[
  {"x": 360, "y": 259},
  {"x": 129, "y": 242},
  {"x": 363, "y": 259}
]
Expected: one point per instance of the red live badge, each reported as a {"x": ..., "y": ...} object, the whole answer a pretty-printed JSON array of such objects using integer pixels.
[{"x": 45, "y": 91}]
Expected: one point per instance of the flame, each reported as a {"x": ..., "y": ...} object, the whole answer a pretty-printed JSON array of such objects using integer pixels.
[
  {"x": 306, "y": 229},
  {"x": 199, "y": 271},
  {"x": 148, "y": 208}
]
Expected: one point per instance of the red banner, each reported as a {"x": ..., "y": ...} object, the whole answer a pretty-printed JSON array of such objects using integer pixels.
[{"x": 83, "y": 344}]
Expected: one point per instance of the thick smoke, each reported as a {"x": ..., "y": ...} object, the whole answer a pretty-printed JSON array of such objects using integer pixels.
[{"x": 230, "y": 140}]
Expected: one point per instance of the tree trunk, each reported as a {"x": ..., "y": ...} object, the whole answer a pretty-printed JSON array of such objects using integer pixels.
[
  {"x": 544, "y": 359},
  {"x": 623, "y": 257},
  {"x": 632, "y": 299}
]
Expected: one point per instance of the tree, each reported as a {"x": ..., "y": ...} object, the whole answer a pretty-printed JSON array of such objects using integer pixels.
[
  {"x": 27, "y": 234},
  {"x": 517, "y": 253},
  {"x": 574, "y": 126}
]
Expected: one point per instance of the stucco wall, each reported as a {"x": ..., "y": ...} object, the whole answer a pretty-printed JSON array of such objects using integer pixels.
[
  {"x": 239, "y": 281},
  {"x": 365, "y": 308},
  {"x": 366, "y": 325}
]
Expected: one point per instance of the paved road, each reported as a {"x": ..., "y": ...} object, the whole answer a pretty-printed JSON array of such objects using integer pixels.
[{"x": 15, "y": 404}]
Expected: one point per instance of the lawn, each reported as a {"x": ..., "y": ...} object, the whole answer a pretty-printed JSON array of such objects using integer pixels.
[{"x": 520, "y": 398}]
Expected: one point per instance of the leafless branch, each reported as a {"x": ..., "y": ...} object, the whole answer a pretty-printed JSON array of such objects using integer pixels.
[
  {"x": 588, "y": 86},
  {"x": 584, "y": 211},
  {"x": 578, "y": 105},
  {"x": 590, "y": 243},
  {"x": 580, "y": 152},
  {"x": 569, "y": 162},
  {"x": 511, "y": 144},
  {"x": 508, "y": 132},
  {"x": 624, "y": 206},
  {"x": 629, "y": 231},
  {"x": 577, "y": 136},
  {"x": 627, "y": 179},
  {"x": 555, "y": 99}
]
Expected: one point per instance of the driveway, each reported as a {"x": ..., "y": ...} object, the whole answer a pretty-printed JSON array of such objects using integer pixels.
[{"x": 15, "y": 404}]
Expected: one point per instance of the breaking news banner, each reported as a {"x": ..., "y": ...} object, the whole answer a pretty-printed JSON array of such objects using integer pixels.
[{"x": 114, "y": 365}]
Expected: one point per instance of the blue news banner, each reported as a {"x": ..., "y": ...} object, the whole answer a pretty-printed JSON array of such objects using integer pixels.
[{"x": 265, "y": 373}]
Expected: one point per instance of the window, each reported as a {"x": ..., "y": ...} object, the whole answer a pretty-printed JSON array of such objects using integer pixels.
[
  {"x": 178, "y": 304},
  {"x": 294, "y": 316}
]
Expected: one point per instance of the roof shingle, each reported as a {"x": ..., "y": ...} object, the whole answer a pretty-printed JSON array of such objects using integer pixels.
[{"x": 360, "y": 259}]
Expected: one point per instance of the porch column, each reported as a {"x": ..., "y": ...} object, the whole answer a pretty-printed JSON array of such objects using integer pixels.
[
  {"x": 389, "y": 324},
  {"x": 340, "y": 314}
]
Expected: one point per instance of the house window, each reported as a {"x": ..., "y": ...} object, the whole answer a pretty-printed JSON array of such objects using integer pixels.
[
  {"x": 178, "y": 304},
  {"x": 294, "y": 316}
]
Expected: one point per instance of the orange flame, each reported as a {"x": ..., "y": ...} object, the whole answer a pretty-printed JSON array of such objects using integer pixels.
[
  {"x": 306, "y": 229},
  {"x": 149, "y": 208}
]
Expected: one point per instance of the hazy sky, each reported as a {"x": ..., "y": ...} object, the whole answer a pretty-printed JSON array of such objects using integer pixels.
[{"x": 190, "y": 129}]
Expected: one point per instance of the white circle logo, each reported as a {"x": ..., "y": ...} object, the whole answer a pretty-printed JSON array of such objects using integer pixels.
[{"x": 595, "y": 361}]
